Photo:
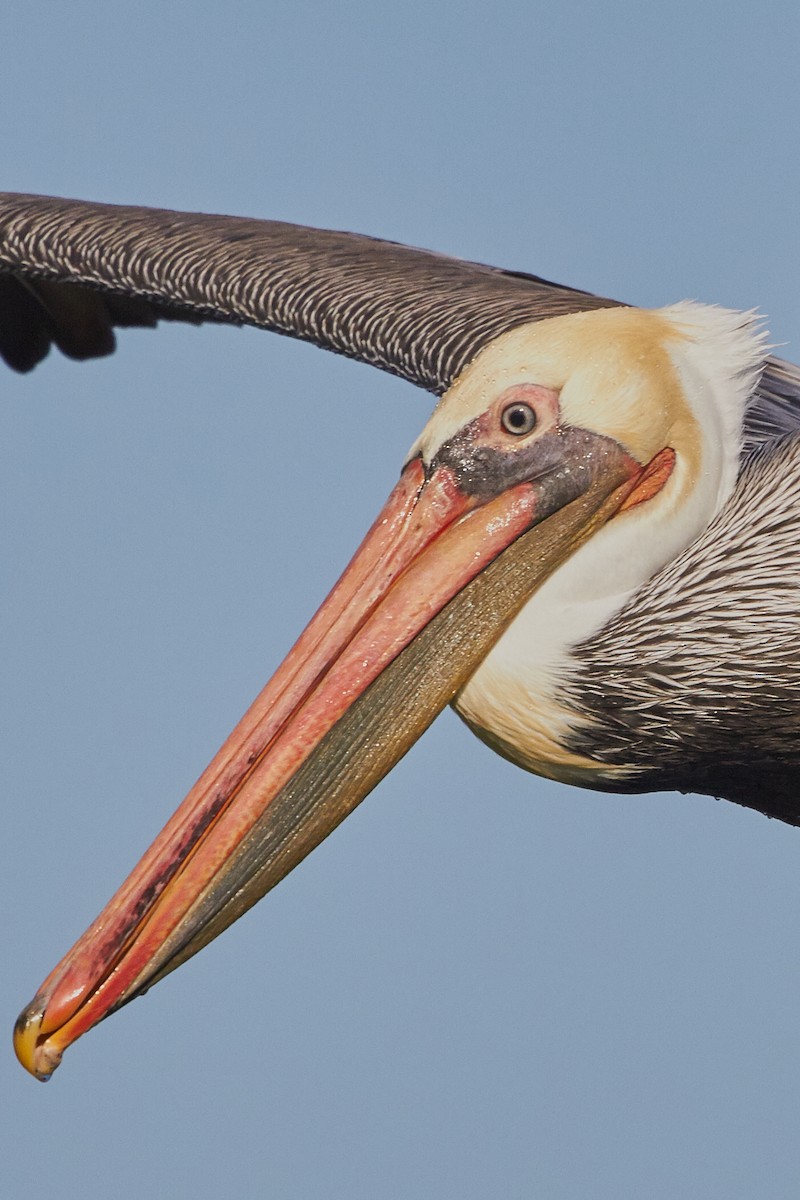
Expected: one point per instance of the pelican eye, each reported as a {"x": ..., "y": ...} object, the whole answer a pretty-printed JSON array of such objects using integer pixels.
[{"x": 518, "y": 419}]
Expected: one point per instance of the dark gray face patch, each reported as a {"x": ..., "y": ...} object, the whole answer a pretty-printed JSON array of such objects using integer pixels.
[{"x": 567, "y": 455}]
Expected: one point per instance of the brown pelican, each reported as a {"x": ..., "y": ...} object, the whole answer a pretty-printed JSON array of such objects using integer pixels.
[{"x": 591, "y": 551}]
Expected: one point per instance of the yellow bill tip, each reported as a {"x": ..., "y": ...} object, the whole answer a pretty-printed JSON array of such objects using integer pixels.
[{"x": 38, "y": 1055}]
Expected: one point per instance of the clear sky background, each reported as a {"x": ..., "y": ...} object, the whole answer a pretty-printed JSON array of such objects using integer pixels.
[{"x": 483, "y": 985}]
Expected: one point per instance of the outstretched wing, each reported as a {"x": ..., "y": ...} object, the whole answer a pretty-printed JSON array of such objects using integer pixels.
[{"x": 71, "y": 271}]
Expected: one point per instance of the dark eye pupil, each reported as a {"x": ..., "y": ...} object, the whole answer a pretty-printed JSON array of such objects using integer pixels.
[{"x": 518, "y": 418}]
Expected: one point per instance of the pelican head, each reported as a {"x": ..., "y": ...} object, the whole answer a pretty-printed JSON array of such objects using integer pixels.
[
  {"x": 674, "y": 380},
  {"x": 549, "y": 419}
]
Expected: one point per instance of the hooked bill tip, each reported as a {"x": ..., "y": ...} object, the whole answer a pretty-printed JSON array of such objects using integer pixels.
[{"x": 33, "y": 1051}]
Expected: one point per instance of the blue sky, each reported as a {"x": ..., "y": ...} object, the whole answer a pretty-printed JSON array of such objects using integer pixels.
[{"x": 483, "y": 984}]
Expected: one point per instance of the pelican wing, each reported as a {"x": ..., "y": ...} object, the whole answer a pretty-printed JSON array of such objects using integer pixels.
[
  {"x": 775, "y": 409},
  {"x": 71, "y": 271}
]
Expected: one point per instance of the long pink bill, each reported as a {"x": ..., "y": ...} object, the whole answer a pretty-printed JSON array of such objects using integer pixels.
[{"x": 429, "y": 591}]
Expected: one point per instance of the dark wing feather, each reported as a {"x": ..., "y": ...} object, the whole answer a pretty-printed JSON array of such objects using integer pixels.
[
  {"x": 775, "y": 409},
  {"x": 417, "y": 314}
]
